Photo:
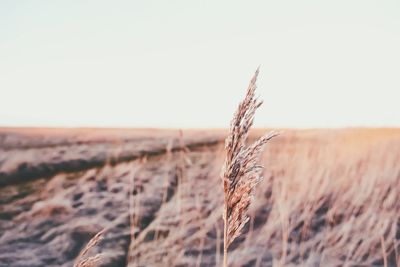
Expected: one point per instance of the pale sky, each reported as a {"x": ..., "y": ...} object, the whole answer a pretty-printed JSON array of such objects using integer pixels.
[{"x": 187, "y": 63}]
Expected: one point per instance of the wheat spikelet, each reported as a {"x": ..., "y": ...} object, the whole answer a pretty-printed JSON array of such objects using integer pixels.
[{"x": 240, "y": 172}]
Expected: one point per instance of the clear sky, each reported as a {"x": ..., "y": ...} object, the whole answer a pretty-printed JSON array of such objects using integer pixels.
[{"x": 188, "y": 63}]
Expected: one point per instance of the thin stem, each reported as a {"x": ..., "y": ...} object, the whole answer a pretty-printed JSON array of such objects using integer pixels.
[{"x": 225, "y": 237}]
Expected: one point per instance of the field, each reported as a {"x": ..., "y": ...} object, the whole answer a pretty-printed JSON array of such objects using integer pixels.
[{"x": 328, "y": 198}]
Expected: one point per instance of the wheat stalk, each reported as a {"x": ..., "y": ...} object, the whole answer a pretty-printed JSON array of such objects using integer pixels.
[{"x": 240, "y": 172}]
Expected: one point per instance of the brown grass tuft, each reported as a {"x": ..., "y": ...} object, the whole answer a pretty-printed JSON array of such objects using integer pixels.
[{"x": 241, "y": 172}]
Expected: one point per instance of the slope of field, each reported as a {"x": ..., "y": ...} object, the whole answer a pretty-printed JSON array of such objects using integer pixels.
[{"x": 329, "y": 198}]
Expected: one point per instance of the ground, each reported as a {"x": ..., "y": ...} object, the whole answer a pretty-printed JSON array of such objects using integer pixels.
[{"x": 328, "y": 198}]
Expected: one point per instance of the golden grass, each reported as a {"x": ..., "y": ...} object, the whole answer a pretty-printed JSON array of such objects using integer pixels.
[{"x": 328, "y": 199}]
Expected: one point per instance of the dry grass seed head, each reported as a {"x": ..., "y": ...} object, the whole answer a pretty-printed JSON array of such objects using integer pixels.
[{"x": 241, "y": 173}]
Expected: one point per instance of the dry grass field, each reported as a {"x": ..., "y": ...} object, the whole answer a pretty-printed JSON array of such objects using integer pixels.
[{"x": 328, "y": 198}]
